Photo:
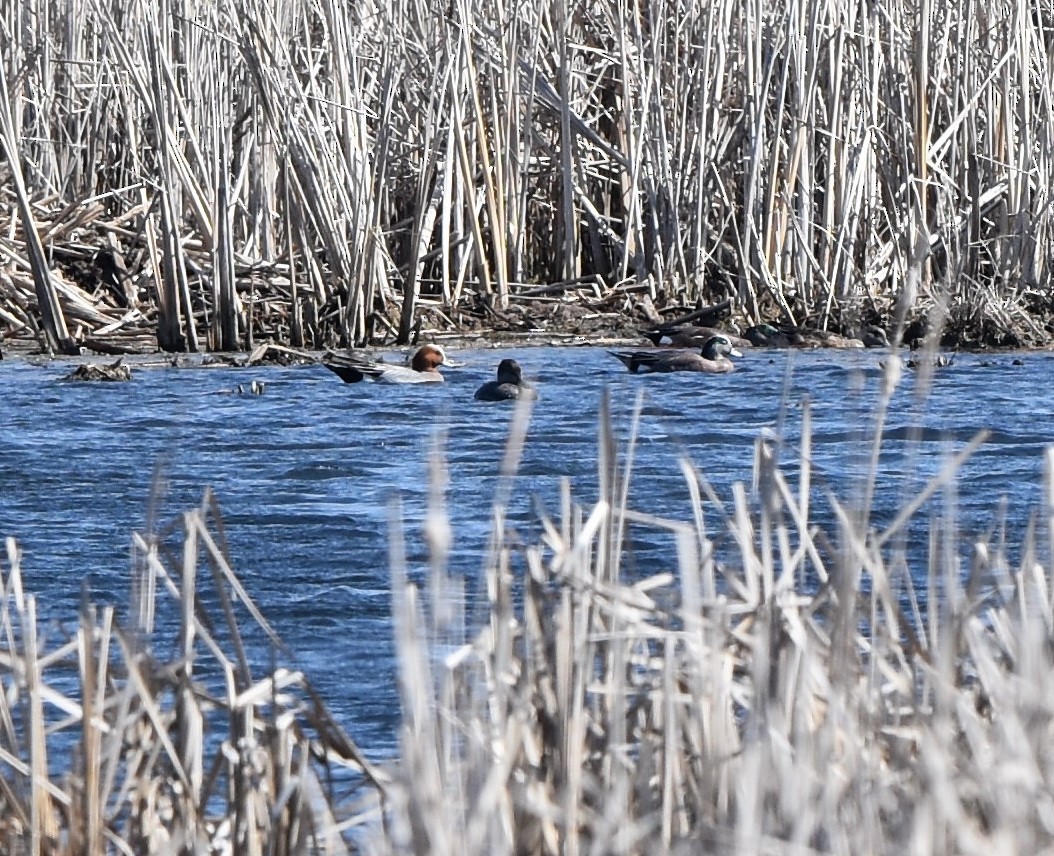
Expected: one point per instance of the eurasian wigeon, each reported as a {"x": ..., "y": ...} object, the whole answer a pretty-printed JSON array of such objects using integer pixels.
[{"x": 423, "y": 368}]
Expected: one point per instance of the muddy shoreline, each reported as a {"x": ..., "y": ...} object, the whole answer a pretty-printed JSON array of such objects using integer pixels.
[{"x": 567, "y": 323}]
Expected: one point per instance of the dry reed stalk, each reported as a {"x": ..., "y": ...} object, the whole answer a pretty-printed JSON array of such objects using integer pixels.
[
  {"x": 783, "y": 708},
  {"x": 421, "y": 235},
  {"x": 54, "y": 323},
  {"x": 162, "y": 759}
]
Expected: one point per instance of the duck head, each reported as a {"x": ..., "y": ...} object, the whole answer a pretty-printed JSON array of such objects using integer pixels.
[
  {"x": 509, "y": 371},
  {"x": 717, "y": 347},
  {"x": 428, "y": 358}
]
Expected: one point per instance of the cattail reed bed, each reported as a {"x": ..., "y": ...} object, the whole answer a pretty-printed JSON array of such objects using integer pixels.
[
  {"x": 191, "y": 175},
  {"x": 801, "y": 688}
]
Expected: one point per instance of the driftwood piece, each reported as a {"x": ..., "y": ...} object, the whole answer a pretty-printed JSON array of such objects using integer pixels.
[
  {"x": 121, "y": 344},
  {"x": 271, "y": 353},
  {"x": 88, "y": 371}
]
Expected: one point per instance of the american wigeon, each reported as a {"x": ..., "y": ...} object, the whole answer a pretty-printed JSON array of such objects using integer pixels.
[
  {"x": 713, "y": 358},
  {"x": 871, "y": 336}
]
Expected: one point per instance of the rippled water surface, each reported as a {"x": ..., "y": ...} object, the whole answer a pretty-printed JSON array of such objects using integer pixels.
[{"x": 305, "y": 472}]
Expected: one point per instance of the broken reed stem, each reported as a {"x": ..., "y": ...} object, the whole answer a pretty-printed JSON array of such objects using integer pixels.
[
  {"x": 151, "y": 753},
  {"x": 767, "y": 706}
]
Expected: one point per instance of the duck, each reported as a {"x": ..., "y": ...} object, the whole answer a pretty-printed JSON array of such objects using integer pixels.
[
  {"x": 811, "y": 337},
  {"x": 713, "y": 358},
  {"x": 827, "y": 339},
  {"x": 767, "y": 336},
  {"x": 874, "y": 336},
  {"x": 423, "y": 367},
  {"x": 690, "y": 336},
  {"x": 509, "y": 384}
]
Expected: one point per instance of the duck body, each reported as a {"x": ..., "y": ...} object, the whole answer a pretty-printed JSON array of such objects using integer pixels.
[
  {"x": 508, "y": 386},
  {"x": 423, "y": 368},
  {"x": 690, "y": 336},
  {"x": 833, "y": 340},
  {"x": 713, "y": 358}
]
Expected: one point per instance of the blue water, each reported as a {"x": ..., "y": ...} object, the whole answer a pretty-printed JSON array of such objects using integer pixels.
[{"x": 305, "y": 473}]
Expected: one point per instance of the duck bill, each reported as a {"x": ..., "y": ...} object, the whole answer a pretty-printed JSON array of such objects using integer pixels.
[
  {"x": 735, "y": 352},
  {"x": 450, "y": 364}
]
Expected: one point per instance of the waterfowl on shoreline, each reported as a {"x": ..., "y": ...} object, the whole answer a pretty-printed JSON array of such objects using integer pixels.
[
  {"x": 423, "y": 368},
  {"x": 767, "y": 336},
  {"x": 713, "y": 358},
  {"x": 787, "y": 335},
  {"x": 509, "y": 384},
  {"x": 874, "y": 336},
  {"x": 690, "y": 336},
  {"x": 834, "y": 340},
  {"x": 871, "y": 336}
]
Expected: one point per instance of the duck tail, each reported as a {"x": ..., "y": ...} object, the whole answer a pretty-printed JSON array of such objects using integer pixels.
[
  {"x": 627, "y": 358},
  {"x": 350, "y": 369},
  {"x": 347, "y": 373}
]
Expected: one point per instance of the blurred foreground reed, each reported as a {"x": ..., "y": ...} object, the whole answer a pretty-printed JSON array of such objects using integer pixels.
[{"x": 798, "y": 696}]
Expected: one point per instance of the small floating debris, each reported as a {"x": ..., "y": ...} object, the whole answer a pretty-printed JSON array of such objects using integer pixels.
[
  {"x": 930, "y": 360},
  {"x": 257, "y": 387},
  {"x": 89, "y": 371}
]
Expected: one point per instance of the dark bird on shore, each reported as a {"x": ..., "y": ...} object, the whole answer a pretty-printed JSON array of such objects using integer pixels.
[
  {"x": 689, "y": 336},
  {"x": 423, "y": 368},
  {"x": 509, "y": 384},
  {"x": 874, "y": 336},
  {"x": 767, "y": 336},
  {"x": 713, "y": 358},
  {"x": 871, "y": 336}
]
